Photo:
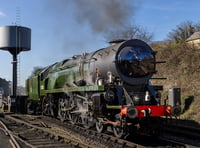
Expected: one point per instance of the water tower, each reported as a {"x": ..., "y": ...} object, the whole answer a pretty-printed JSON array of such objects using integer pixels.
[{"x": 15, "y": 39}]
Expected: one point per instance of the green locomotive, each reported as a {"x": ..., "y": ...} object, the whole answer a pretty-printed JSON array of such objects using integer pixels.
[{"x": 108, "y": 87}]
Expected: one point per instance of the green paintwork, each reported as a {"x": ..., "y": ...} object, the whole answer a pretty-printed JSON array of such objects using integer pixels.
[
  {"x": 42, "y": 88},
  {"x": 61, "y": 77},
  {"x": 65, "y": 73},
  {"x": 74, "y": 89},
  {"x": 60, "y": 81},
  {"x": 32, "y": 88}
]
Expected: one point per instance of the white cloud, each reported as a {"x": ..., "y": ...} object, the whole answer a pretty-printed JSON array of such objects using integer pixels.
[{"x": 2, "y": 14}]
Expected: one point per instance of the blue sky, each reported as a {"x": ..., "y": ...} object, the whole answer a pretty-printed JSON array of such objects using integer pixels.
[{"x": 60, "y": 30}]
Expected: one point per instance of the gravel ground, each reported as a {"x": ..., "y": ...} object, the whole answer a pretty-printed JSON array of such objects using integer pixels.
[{"x": 4, "y": 140}]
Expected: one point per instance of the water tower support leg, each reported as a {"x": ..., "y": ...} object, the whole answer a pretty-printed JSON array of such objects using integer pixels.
[{"x": 15, "y": 75}]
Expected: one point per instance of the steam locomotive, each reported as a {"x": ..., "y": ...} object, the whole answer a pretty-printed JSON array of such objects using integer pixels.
[{"x": 106, "y": 88}]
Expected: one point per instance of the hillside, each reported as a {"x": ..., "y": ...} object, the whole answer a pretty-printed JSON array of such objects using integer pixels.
[{"x": 182, "y": 69}]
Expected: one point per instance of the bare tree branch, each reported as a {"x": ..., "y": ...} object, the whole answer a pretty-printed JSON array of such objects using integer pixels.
[
  {"x": 130, "y": 32},
  {"x": 183, "y": 31}
]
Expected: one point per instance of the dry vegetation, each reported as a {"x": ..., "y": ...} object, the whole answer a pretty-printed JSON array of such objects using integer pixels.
[{"x": 182, "y": 69}]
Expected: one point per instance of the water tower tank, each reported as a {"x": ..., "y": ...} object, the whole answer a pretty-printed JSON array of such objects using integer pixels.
[{"x": 15, "y": 38}]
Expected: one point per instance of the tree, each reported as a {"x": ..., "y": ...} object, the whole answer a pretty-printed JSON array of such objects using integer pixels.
[
  {"x": 130, "y": 32},
  {"x": 197, "y": 27},
  {"x": 183, "y": 31}
]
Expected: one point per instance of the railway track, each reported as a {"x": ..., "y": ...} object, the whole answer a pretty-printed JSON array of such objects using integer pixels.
[
  {"x": 109, "y": 141},
  {"x": 32, "y": 131},
  {"x": 40, "y": 131},
  {"x": 30, "y": 135},
  {"x": 12, "y": 140},
  {"x": 182, "y": 132}
]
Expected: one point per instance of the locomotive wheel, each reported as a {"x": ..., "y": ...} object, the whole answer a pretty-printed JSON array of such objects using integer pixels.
[
  {"x": 61, "y": 109},
  {"x": 73, "y": 118},
  {"x": 100, "y": 127},
  {"x": 48, "y": 106},
  {"x": 118, "y": 129},
  {"x": 71, "y": 103},
  {"x": 30, "y": 108},
  {"x": 88, "y": 121},
  {"x": 68, "y": 116}
]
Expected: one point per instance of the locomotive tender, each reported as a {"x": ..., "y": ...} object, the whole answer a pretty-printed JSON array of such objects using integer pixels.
[{"x": 108, "y": 87}]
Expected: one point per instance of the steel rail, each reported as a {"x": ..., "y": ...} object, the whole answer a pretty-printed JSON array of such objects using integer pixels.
[
  {"x": 75, "y": 142},
  {"x": 12, "y": 140}
]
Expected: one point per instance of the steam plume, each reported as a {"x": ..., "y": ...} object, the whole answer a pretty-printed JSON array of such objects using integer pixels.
[
  {"x": 103, "y": 15},
  {"x": 100, "y": 15}
]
